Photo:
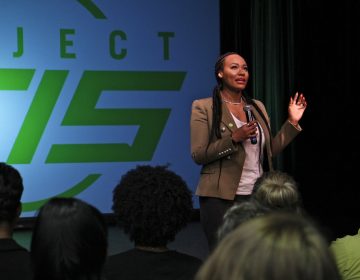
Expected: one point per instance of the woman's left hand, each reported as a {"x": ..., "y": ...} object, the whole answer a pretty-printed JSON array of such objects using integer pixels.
[{"x": 297, "y": 106}]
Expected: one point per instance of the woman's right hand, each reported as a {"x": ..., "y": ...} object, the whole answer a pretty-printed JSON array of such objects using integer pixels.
[{"x": 245, "y": 132}]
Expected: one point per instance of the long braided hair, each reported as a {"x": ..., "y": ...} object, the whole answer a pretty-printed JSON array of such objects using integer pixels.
[{"x": 217, "y": 112}]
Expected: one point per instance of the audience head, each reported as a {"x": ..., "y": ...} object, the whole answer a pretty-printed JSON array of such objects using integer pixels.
[
  {"x": 274, "y": 246},
  {"x": 238, "y": 214},
  {"x": 69, "y": 241},
  {"x": 152, "y": 205},
  {"x": 277, "y": 190},
  {"x": 11, "y": 189}
]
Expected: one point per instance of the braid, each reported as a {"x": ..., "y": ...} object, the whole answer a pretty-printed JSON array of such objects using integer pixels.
[{"x": 217, "y": 112}]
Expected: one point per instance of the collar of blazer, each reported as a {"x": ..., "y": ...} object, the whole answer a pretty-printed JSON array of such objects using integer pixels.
[{"x": 228, "y": 121}]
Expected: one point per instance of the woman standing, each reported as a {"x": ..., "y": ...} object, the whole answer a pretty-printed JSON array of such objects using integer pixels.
[{"x": 232, "y": 140}]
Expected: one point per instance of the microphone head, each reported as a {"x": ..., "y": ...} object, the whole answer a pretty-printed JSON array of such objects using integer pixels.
[{"x": 247, "y": 108}]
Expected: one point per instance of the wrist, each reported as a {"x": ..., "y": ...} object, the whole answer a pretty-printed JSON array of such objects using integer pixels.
[{"x": 293, "y": 123}]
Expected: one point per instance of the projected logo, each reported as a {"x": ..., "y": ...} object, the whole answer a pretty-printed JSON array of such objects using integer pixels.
[{"x": 82, "y": 111}]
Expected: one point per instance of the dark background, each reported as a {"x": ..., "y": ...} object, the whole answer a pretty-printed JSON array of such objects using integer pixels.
[{"x": 327, "y": 71}]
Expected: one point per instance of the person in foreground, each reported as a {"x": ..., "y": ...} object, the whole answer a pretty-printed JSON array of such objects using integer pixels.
[
  {"x": 273, "y": 191},
  {"x": 238, "y": 214},
  {"x": 347, "y": 254},
  {"x": 14, "y": 258},
  {"x": 152, "y": 204},
  {"x": 278, "y": 191},
  {"x": 234, "y": 145},
  {"x": 274, "y": 246},
  {"x": 69, "y": 241}
]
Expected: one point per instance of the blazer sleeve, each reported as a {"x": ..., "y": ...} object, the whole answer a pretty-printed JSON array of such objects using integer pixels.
[
  {"x": 283, "y": 137},
  {"x": 202, "y": 151}
]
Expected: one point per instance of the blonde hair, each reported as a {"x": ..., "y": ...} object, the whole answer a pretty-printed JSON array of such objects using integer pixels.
[
  {"x": 271, "y": 247},
  {"x": 277, "y": 190}
]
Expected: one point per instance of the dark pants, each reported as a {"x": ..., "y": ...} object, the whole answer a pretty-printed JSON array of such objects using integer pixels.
[{"x": 212, "y": 211}]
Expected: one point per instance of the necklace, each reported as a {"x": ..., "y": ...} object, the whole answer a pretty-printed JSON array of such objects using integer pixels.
[{"x": 233, "y": 103}]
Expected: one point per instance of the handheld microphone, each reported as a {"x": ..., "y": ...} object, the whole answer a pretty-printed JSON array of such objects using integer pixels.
[{"x": 249, "y": 118}]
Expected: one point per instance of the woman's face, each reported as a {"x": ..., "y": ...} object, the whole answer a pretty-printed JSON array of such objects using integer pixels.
[{"x": 234, "y": 74}]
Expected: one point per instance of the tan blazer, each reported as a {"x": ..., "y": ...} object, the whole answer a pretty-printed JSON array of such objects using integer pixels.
[{"x": 222, "y": 162}]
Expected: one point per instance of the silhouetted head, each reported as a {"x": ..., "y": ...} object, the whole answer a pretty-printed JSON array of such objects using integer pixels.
[
  {"x": 11, "y": 189},
  {"x": 238, "y": 214},
  {"x": 69, "y": 240},
  {"x": 152, "y": 205}
]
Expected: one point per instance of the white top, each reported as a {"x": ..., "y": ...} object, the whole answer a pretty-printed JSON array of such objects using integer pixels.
[{"x": 252, "y": 169}]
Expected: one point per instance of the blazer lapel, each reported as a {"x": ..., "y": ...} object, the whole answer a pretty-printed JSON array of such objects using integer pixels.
[{"x": 227, "y": 120}]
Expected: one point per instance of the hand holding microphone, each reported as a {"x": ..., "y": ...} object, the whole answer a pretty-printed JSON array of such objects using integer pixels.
[
  {"x": 246, "y": 131},
  {"x": 250, "y": 118}
]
